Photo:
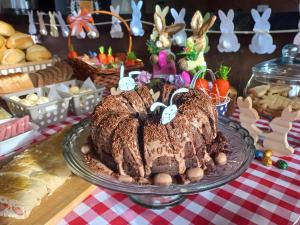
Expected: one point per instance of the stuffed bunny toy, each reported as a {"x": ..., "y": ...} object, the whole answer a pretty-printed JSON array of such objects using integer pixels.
[
  {"x": 32, "y": 27},
  {"x": 180, "y": 37},
  {"x": 162, "y": 14},
  {"x": 228, "y": 41},
  {"x": 193, "y": 60},
  {"x": 297, "y": 37},
  {"x": 136, "y": 26},
  {"x": 163, "y": 59},
  {"x": 116, "y": 29},
  {"x": 262, "y": 41}
]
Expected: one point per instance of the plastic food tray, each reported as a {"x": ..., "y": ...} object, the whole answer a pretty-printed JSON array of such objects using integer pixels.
[
  {"x": 83, "y": 102},
  {"x": 44, "y": 114},
  {"x": 18, "y": 141}
]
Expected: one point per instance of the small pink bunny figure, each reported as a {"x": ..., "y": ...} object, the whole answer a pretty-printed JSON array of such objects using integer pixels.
[
  {"x": 228, "y": 41},
  {"x": 297, "y": 37},
  {"x": 262, "y": 41}
]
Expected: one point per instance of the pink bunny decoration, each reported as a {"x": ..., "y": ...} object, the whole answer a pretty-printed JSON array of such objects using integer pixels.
[
  {"x": 262, "y": 41},
  {"x": 228, "y": 41},
  {"x": 297, "y": 37}
]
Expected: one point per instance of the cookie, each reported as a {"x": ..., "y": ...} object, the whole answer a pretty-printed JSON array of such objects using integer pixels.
[
  {"x": 280, "y": 89},
  {"x": 260, "y": 91}
]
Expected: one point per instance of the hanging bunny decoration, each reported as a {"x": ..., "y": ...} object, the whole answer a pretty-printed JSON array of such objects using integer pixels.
[
  {"x": 297, "y": 37},
  {"x": 136, "y": 26},
  {"x": 162, "y": 14},
  {"x": 169, "y": 113},
  {"x": 64, "y": 27},
  {"x": 53, "y": 27},
  {"x": 126, "y": 83},
  {"x": 43, "y": 30},
  {"x": 162, "y": 59},
  {"x": 32, "y": 27},
  {"x": 180, "y": 37},
  {"x": 228, "y": 41},
  {"x": 116, "y": 29},
  {"x": 262, "y": 41},
  {"x": 96, "y": 5}
]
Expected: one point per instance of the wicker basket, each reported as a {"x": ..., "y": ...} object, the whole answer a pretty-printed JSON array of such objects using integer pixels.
[{"x": 106, "y": 77}]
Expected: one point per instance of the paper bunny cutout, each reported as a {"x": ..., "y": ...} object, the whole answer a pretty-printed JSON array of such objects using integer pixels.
[
  {"x": 32, "y": 27},
  {"x": 297, "y": 37},
  {"x": 180, "y": 37},
  {"x": 228, "y": 41},
  {"x": 169, "y": 113},
  {"x": 43, "y": 30},
  {"x": 116, "y": 29},
  {"x": 262, "y": 41},
  {"x": 53, "y": 27},
  {"x": 126, "y": 83},
  {"x": 136, "y": 26},
  {"x": 277, "y": 139},
  {"x": 64, "y": 27}
]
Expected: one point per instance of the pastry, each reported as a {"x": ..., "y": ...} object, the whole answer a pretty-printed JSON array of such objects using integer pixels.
[
  {"x": 32, "y": 97},
  {"x": 15, "y": 83},
  {"x": 12, "y": 56},
  {"x": 260, "y": 91},
  {"x": 19, "y": 41},
  {"x": 42, "y": 100},
  {"x": 6, "y": 29},
  {"x": 37, "y": 53},
  {"x": 30, "y": 176},
  {"x": 74, "y": 90},
  {"x": 26, "y": 102},
  {"x": 130, "y": 140}
]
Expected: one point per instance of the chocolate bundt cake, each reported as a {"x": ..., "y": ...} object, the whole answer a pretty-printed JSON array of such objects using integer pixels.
[{"x": 130, "y": 140}]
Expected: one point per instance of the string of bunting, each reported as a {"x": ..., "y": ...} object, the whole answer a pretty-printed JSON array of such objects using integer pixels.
[{"x": 81, "y": 22}]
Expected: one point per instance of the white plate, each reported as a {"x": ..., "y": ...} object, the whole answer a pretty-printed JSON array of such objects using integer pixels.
[{"x": 18, "y": 141}]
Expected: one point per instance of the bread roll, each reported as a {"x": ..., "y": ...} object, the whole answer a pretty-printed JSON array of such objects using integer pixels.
[
  {"x": 15, "y": 83},
  {"x": 12, "y": 56},
  {"x": 6, "y": 29},
  {"x": 2, "y": 50},
  {"x": 2, "y": 41},
  {"x": 37, "y": 53},
  {"x": 19, "y": 41}
]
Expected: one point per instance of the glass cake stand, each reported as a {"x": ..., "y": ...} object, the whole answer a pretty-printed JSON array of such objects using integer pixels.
[{"x": 241, "y": 152}]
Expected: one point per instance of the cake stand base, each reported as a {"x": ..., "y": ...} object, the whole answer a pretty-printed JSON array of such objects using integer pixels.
[{"x": 157, "y": 202}]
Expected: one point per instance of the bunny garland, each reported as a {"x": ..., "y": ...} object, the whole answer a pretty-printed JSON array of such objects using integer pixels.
[
  {"x": 116, "y": 29},
  {"x": 53, "y": 27},
  {"x": 31, "y": 27},
  {"x": 136, "y": 26},
  {"x": 297, "y": 37},
  {"x": 262, "y": 41},
  {"x": 43, "y": 30},
  {"x": 64, "y": 27},
  {"x": 180, "y": 37},
  {"x": 228, "y": 41}
]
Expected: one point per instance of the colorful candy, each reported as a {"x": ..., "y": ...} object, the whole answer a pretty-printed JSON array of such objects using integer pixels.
[
  {"x": 281, "y": 164},
  {"x": 267, "y": 161},
  {"x": 259, "y": 155},
  {"x": 268, "y": 153}
]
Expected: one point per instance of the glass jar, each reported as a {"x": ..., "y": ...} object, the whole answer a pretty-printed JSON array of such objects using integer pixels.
[{"x": 275, "y": 84}]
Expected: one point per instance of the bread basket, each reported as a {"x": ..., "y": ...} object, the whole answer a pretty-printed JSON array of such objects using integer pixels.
[{"x": 106, "y": 77}]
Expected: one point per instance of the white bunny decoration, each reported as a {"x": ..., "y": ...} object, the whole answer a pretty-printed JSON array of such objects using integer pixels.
[
  {"x": 32, "y": 27},
  {"x": 126, "y": 83},
  {"x": 116, "y": 29},
  {"x": 262, "y": 41},
  {"x": 43, "y": 30},
  {"x": 180, "y": 37},
  {"x": 64, "y": 27},
  {"x": 136, "y": 26},
  {"x": 53, "y": 27},
  {"x": 170, "y": 111},
  {"x": 228, "y": 41},
  {"x": 297, "y": 37}
]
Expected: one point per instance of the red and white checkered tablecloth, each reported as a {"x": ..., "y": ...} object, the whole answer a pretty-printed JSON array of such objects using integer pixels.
[{"x": 262, "y": 195}]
